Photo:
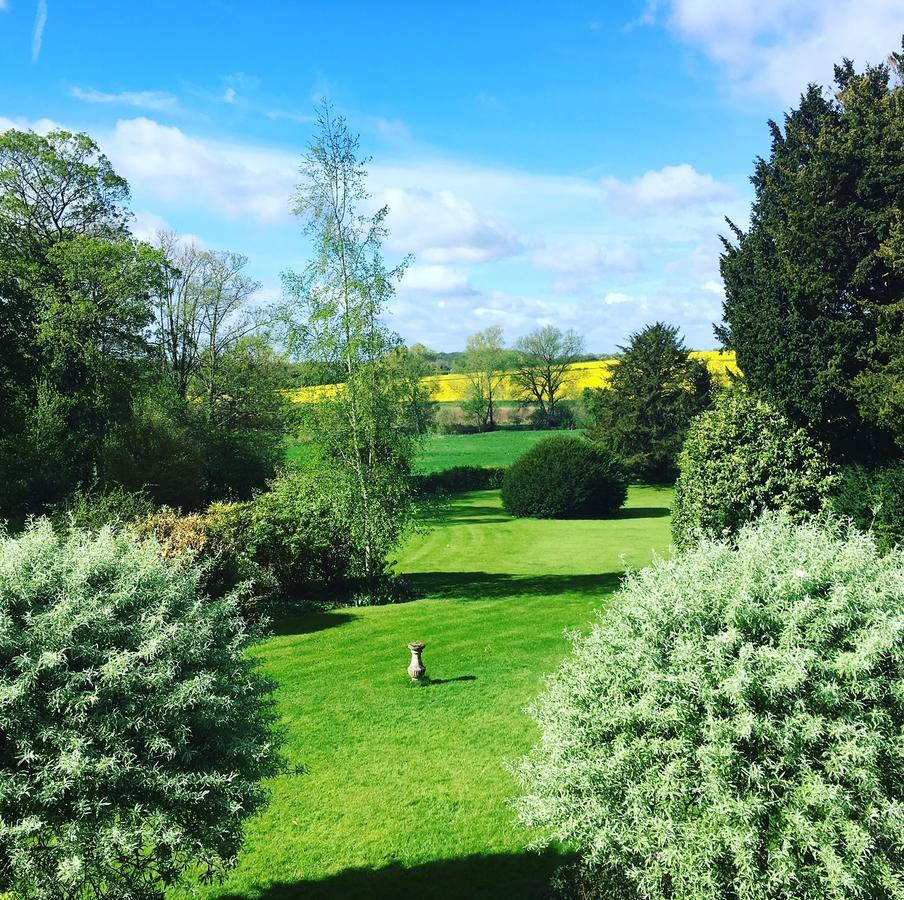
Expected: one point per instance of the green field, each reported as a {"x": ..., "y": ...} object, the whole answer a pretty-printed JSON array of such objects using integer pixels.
[
  {"x": 443, "y": 451},
  {"x": 407, "y": 791}
]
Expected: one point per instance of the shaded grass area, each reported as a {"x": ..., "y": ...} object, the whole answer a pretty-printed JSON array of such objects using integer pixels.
[
  {"x": 444, "y": 451},
  {"x": 407, "y": 791}
]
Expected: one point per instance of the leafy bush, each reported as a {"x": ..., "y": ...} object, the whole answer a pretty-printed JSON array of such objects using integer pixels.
[
  {"x": 732, "y": 724},
  {"x": 740, "y": 458},
  {"x": 92, "y": 508},
  {"x": 458, "y": 478},
  {"x": 873, "y": 499},
  {"x": 302, "y": 532},
  {"x": 134, "y": 729},
  {"x": 562, "y": 476},
  {"x": 216, "y": 542}
]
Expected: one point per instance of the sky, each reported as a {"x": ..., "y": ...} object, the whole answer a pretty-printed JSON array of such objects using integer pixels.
[{"x": 544, "y": 163}]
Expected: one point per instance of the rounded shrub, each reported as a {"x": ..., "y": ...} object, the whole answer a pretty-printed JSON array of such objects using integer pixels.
[
  {"x": 135, "y": 728},
  {"x": 562, "y": 477},
  {"x": 732, "y": 725},
  {"x": 740, "y": 458}
]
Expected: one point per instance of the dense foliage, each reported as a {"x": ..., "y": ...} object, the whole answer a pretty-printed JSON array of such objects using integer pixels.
[
  {"x": 873, "y": 499},
  {"x": 731, "y": 726},
  {"x": 459, "y": 478},
  {"x": 654, "y": 392},
  {"x": 562, "y": 477},
  {"x": 117, "y": 366},
  {"x": 134, "y": 730},
  {"x": 740, "y": 458},
  {"x": 813, "y": 289}
]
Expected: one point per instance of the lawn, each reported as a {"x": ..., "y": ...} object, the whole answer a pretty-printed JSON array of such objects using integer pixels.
[
  {"x": 406, "y": 790},
  {"x": 443, "y": 451}
]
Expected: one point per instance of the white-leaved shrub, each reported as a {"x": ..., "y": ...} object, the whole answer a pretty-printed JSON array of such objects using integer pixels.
[
  {"x": 134, "y": 726},
  {"x": 732, "y": 727}
]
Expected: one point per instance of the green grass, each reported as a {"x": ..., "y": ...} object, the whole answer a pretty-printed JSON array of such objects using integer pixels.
[
  {"x": 407, "y": 791},
  {"x": 443, "y": 451}
]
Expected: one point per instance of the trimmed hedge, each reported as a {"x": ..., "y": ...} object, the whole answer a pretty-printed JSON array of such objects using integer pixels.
[
  {"x": 563, "y": 476},
  {"x": 731, "y": 727},
  {"x": 457, "y": 479}
]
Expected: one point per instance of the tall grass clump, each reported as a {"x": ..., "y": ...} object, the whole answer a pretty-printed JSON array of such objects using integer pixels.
[
  {"x": 733, "y": 725},
  {"x": 135, "y": 728}
]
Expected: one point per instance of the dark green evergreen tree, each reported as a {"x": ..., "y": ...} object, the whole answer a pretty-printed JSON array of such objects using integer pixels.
[
  {"x": 811, "y": 284},
  {"x": 656, "y": 389}
]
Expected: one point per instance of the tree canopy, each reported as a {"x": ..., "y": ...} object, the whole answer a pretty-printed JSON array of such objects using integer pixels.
[{"x": 814, "y": 286}]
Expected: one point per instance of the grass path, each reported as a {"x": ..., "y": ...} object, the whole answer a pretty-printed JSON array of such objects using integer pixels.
[{"x": 407, "y": 791}]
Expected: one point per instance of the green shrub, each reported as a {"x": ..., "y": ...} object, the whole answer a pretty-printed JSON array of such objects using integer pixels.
[
  {"x": 302, "y": 533},
  {"x": 216, "y": 542},
  {"x": 457, "y": 479},
  {"x": 740, "y": 458},
  {"x": 732, "y": 725},
  {"x": 94, "y": 507},
  {"x": 562, "y": 476},
  {"x": 134, "y": 727},
  {"x": 873, "y": 499}
]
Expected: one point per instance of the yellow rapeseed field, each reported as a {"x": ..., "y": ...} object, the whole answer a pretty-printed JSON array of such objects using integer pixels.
[{"x": 595, "y": 374}]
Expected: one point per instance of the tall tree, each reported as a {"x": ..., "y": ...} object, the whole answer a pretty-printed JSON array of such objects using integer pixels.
[
  {"x": 333, "y": 315},
  {"x": 654, "y": 392},
  {"x": 203, "y": 314},
  {"x": 545, "y": 356},
  {"x": 812, "y": 283},
  {"x": 75, "y": 300},
  {"x": 484, "y": 367}
]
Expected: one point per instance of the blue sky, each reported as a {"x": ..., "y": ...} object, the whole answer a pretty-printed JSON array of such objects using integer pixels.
[{"x": 568, "y": 163}]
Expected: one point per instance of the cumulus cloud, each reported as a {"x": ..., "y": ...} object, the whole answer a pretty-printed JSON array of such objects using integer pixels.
[
  {"x": 777, "y": 47},
  {"x": 671, "y": 186},
  {"x": 615, "y": 297},
  {"x": 443, "y": 227},
  {"x": 157, "y": 101},
  {"x": 232, "y": 180},
  {"x": 436, "y": 280}
]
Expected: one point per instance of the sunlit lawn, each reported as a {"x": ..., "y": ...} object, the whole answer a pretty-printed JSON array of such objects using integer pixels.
[
  {"x": 443, "y": 451},
  {"x": 407, "y": 791}
]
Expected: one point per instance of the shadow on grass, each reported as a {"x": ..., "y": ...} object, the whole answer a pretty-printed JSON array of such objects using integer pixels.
[
  {"x": 642, "y": 512},
  {"x": 495, "y": 586},
  {"x": 427, "y": 681},
  {"x": 309, "y": 622},
  {"x": 522, "y": 875}
]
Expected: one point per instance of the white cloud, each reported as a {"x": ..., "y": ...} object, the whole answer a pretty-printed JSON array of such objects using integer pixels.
[
  {"x": 40, "y": 126},
  {"x": 671, "y": 186},
  {"x": 615, "y": 297},
  {"x": 436, "y": 280},
  {"x": 229, "y": 95},
  {"x": 37, "y": 37},
  {"x": 580, "y": 262},
  {"x": 3, "y": 6},
  {"x": 152, "y": 100},
  {"x": 443, "y": 227},
  {"x": 231, "y": 180},
  {"x": 777, "y": 47},
  {"x": 713, "y": 287}
]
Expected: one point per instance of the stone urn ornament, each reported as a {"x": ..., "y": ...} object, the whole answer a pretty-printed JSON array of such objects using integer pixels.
[{"x": 416, "y": 668}]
